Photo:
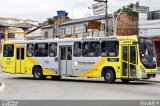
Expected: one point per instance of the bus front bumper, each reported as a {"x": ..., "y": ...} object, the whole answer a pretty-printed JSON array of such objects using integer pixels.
[{"x": 143, "y": 75}]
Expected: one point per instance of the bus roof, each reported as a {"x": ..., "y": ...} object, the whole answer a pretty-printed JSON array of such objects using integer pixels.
[{"x": 109, "y": 38}]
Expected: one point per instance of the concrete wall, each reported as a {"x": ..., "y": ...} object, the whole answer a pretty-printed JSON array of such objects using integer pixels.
[
  {"x": 50, "y": 32},
  {"x": 80, "y": 30},
  {"x": 149, "y": 27},
  {"x": 35, "y": 34},
  {"x": 127, "y": 25}
]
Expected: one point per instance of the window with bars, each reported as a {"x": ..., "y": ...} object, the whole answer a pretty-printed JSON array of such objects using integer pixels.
[
  {"x": 46, "y": 34},
  {"x": 153, "y": 15},
  {"x": 2, "y": 35},
  {"x": 11, "y": 35}
]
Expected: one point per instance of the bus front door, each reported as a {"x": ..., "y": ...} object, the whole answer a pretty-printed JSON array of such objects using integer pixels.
[
  {"x": 20, "y": 60},
  {"x": 129, "y": 61},
  {"x": 65, "y": 60}
]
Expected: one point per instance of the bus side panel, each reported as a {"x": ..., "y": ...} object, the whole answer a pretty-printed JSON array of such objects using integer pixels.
[
  {"x": 96, "y": 69},
  {"x": 86, "y": 66},
  {"x": 29, "y": 64},
  {"x": 50, "y": 66}
]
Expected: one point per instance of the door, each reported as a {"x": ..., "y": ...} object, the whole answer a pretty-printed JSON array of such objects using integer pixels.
[
  {"x": 65, "y": 60},
  {"x": 20, "y": 60},
  {"x": 129, "y": 61},
  {"x": 157, "y": 45},
  {"x": 158, "y": 56}
]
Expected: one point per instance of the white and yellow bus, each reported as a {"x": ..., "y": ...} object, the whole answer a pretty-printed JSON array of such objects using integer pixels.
[{"x": 126, "y": 58}]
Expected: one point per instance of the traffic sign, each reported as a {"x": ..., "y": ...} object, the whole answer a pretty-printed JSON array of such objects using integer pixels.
[{"x": 99, "y": 8}]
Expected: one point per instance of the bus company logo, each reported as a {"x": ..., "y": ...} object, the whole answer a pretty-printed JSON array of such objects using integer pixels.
[
  {"x": 76, "y": 63},
  {"x": 56, "y": 59},
  {"x": 9, "y": 103},
  {"x": 83, "y": 63}
]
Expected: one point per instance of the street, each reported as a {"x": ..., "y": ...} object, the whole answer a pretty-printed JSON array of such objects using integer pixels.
[{"x": 24, "y": 87}]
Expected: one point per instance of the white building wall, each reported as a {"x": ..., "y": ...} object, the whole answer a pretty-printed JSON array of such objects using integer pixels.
[
  {"x": 50, "y": 32},
  {"x": 149, "y": 27},
  {"x": 35, "y": 34},
  {"x": 17, "y": 21},
  {"x": 81, "y": 31}
]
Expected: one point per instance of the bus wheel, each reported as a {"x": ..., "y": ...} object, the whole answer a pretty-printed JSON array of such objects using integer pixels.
[
  {"x": 37, "y": 73},
  {"x": 55, "y": 77},
  {"x": 125, "y": 80},
  {"x": 109, "y": 76}
]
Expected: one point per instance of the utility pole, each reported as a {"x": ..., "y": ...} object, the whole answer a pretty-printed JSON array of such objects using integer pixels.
[
  {"x": 137, "y": 20},
  {"x": 106, "y": 14}
]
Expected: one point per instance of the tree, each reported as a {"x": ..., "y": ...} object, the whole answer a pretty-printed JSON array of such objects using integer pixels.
[
  {"x": 50, "y": 21},
  {"x": 128, "y": 9}
]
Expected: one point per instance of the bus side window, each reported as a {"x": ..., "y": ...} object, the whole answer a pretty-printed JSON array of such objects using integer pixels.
[
  {"x": 109, "y": 48},
  {"x": 104, "y": 51},
  {"x": 30, "y": 50},
  {"x": 53, "y": 50},
  {"x": 8, "y": 50},
  {"x": 41, "y": 50},
  {"x": 91, "y": 49},
  {"x": 77, "y": 49}
]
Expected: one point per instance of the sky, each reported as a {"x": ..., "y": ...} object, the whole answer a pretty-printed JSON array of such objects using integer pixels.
[{"x": 40, "y": 10}]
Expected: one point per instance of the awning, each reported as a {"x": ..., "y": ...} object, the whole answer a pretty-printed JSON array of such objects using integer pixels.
[{"x": 156, "y": 39}]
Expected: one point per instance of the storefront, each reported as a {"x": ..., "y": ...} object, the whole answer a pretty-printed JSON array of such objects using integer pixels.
[{"x": 157, "y": 47}]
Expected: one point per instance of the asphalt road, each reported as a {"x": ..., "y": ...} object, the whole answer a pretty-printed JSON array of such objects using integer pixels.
[{"x": 24, "y": 87}]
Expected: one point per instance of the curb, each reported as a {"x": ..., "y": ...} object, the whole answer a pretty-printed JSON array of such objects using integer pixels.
[
  {"x": 2, "y": 87},
  {"x": 155, "y": 79}
]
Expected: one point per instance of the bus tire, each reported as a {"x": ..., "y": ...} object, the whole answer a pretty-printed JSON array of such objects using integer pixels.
[
  {"x": 109, "y": 76},
  {"x": 38, "y": 74},
  {"x": 56, "y": 77},
  {"x": 125, "y": 80}
]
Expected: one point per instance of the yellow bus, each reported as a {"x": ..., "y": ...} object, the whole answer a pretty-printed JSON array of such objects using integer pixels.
[{"x": 115, "y": 57}]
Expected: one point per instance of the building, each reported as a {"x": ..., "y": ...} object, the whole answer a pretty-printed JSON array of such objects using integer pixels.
[
  {"x": 149, "y": 23},
  {"x": 126, "y": 25},
  {"x": 62, "y": 16},
  {"x": 48, "y": 31},
  {"x": 13, "y": 32},
  {"x": 34, "y": 33},
  {"x": 42, "y": 32},
  {"x": 10, "y": 31},
  {"x": 9, "y": 20},
  {"x": 79, "y": 27},
  {"x": 26, "y": 25}
]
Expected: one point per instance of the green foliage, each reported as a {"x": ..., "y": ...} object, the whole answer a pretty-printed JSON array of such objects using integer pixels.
[
  {"x": 50, "y": 21},
  {"x": 128, "y": 9}
]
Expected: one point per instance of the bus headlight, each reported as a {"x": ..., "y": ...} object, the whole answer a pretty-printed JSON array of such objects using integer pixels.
[{"x": 142, "y": 69}]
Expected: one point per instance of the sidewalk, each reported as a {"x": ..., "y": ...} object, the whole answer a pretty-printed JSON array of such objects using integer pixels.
[
  {"x": 157, "y": 77},
  {"x": 2, "y": 86}
]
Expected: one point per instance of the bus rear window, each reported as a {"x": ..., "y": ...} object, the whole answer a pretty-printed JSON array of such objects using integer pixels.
[{"x": 8, "y": 50}]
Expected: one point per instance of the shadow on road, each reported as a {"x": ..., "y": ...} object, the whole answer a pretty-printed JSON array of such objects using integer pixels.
[
  {"x": 98, "y": 81},
  {"x": 151, "y": 81}
]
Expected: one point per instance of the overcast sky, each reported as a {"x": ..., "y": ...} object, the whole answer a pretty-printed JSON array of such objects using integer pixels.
[{"x": 42, "y": 9}]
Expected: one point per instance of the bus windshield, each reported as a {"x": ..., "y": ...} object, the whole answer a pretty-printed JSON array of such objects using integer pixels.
[{"x": 147, "y": 53}]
